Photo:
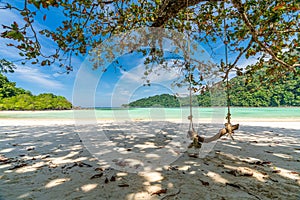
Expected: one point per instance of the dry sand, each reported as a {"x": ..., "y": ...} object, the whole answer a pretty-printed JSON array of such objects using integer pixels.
[{"x": 47, "y": 159}]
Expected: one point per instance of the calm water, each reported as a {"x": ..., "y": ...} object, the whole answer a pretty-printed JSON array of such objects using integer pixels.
[{"x": 159, "y": 113}]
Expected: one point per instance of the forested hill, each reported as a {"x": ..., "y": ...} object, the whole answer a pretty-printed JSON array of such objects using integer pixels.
[
  {"x": 164, "y": 100},
  {"x": 13, "y": 98},
  {"x": 253, "y": 94}
]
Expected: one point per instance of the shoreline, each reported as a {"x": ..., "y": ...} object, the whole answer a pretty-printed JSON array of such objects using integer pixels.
[
  {"x": 124, "y": 108},
  {"x": 267, "y": 122}
]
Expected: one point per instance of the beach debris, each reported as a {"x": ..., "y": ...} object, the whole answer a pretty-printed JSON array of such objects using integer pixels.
[
  {"x": 205, "y": 183},
  {"x": 3, "y": 159},
  {"x": 77, "y": 164},
  {"x": 269, "y": 151},
  {"x": 123, "y": 185},
  {"x": 52, "y": 165},
  {"x": 274, "y": 180},
  {"x": 193, "y": 155},
  {"x": 242, "y": 188},
  {"x": 173, "y": 167},
  {"x": 171, "y": 194},
  {"x": 264, "y": 173},
  {"x": 106, "y": 180},
  {"x": 241, "y": 171},
  {"x": 30, "y": 148},
  {"x": 112, "y": 178},
  {"x": 159, "y": 192},
  {"x": 233, "y": 185},
  {"x": 276, "y": 171},
  {"x": 121, "y": 163},
  {"x": 97, "y": 176},
  {"x": 256, "y": 162},
  {"x": 262, "y": 163},
  {"x": 82, "y": 164},
  {"x": 18, "y": 166},
  {"x": 99, "y": 169},
  {"x": 45, "y": 156}
]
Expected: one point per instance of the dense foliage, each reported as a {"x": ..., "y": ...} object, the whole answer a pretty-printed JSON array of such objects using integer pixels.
[
  {"x": 164, "y": 100},
  {"x": 13, "y": 98},
  {"x": 264, "y": 29},
  {"x": 285, "y": 92}
]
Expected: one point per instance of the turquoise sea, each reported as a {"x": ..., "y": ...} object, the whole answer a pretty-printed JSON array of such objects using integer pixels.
[{"x": 159, "y": 113}]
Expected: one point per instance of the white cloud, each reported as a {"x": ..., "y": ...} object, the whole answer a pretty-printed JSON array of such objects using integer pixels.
[
  {"x": 10, "y": 17},
  {"x": 8, "y": 52},
  {"x": 47, "y": 45},
  {"x": 130, "y": 84},
  {"x": 160, "y": 74},
  {"x": 243, "y": 63},
  {"x": 36, "y": 77}
]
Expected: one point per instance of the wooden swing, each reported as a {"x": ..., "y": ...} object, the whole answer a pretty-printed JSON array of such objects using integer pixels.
[{"x": 228, "y": 127}]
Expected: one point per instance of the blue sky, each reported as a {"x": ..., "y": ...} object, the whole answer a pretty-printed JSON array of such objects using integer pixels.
[{"x": 85, "y": 86}]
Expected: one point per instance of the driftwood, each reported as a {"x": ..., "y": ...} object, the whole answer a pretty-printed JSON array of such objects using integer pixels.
[{"x": 198, "y": 140}]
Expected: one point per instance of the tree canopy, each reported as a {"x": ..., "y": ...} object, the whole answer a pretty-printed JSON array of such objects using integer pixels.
[
  {"x": 266, "y": 29},
  {"x": 13, "y": 98}
]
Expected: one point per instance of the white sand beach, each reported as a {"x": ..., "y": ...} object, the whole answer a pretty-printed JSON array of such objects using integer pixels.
[{"x": 51, "y": 159}]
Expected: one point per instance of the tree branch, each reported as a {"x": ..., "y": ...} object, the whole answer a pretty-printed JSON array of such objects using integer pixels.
[
  {"x": 89, "y": 16},
  {"x": 242, "y": 52},
  {"x": 239, "y": 6},
  {"x": 172, "y": 8}
]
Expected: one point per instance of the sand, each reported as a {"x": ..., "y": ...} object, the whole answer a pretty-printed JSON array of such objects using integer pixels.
[{"x": 56, "y": 159}]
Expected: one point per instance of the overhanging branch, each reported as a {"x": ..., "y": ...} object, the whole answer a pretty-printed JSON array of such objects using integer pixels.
[
  {"x": 172, "y": 7},
  {"x": 239, "y": 6}
]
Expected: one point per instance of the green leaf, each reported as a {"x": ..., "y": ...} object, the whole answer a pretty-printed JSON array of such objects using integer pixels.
[{"x": 43, "y": 63}]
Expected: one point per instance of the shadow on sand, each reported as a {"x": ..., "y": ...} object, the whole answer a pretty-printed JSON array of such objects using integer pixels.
[{"x": 51, "y": 162}]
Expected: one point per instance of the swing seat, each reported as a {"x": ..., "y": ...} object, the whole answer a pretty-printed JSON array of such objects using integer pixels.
[
  {"x": 197, "y": 140},
  {"x": 229, "y": 129}
]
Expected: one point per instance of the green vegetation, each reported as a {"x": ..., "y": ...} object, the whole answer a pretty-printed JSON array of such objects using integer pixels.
[
  {"x": 254, "y": 94},
  {"x": 283, "y": 92},
  {"x": 164, "y": 100},
  {"x": 13, "y": 98},
  {"x": 254, "y": 29}
]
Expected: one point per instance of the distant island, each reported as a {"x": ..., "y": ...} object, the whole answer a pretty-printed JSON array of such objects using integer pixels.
[
  {"x": 252, "y": 94},
  {"x": 13, "y": 98}
]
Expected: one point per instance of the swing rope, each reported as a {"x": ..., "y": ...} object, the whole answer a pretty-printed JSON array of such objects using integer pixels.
[
  {"x": 191, "y": 126},
  {"x": 192, "y": 134},
  {"x": 229, "y": 128},
  {"x": 228, "y": 117}
]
